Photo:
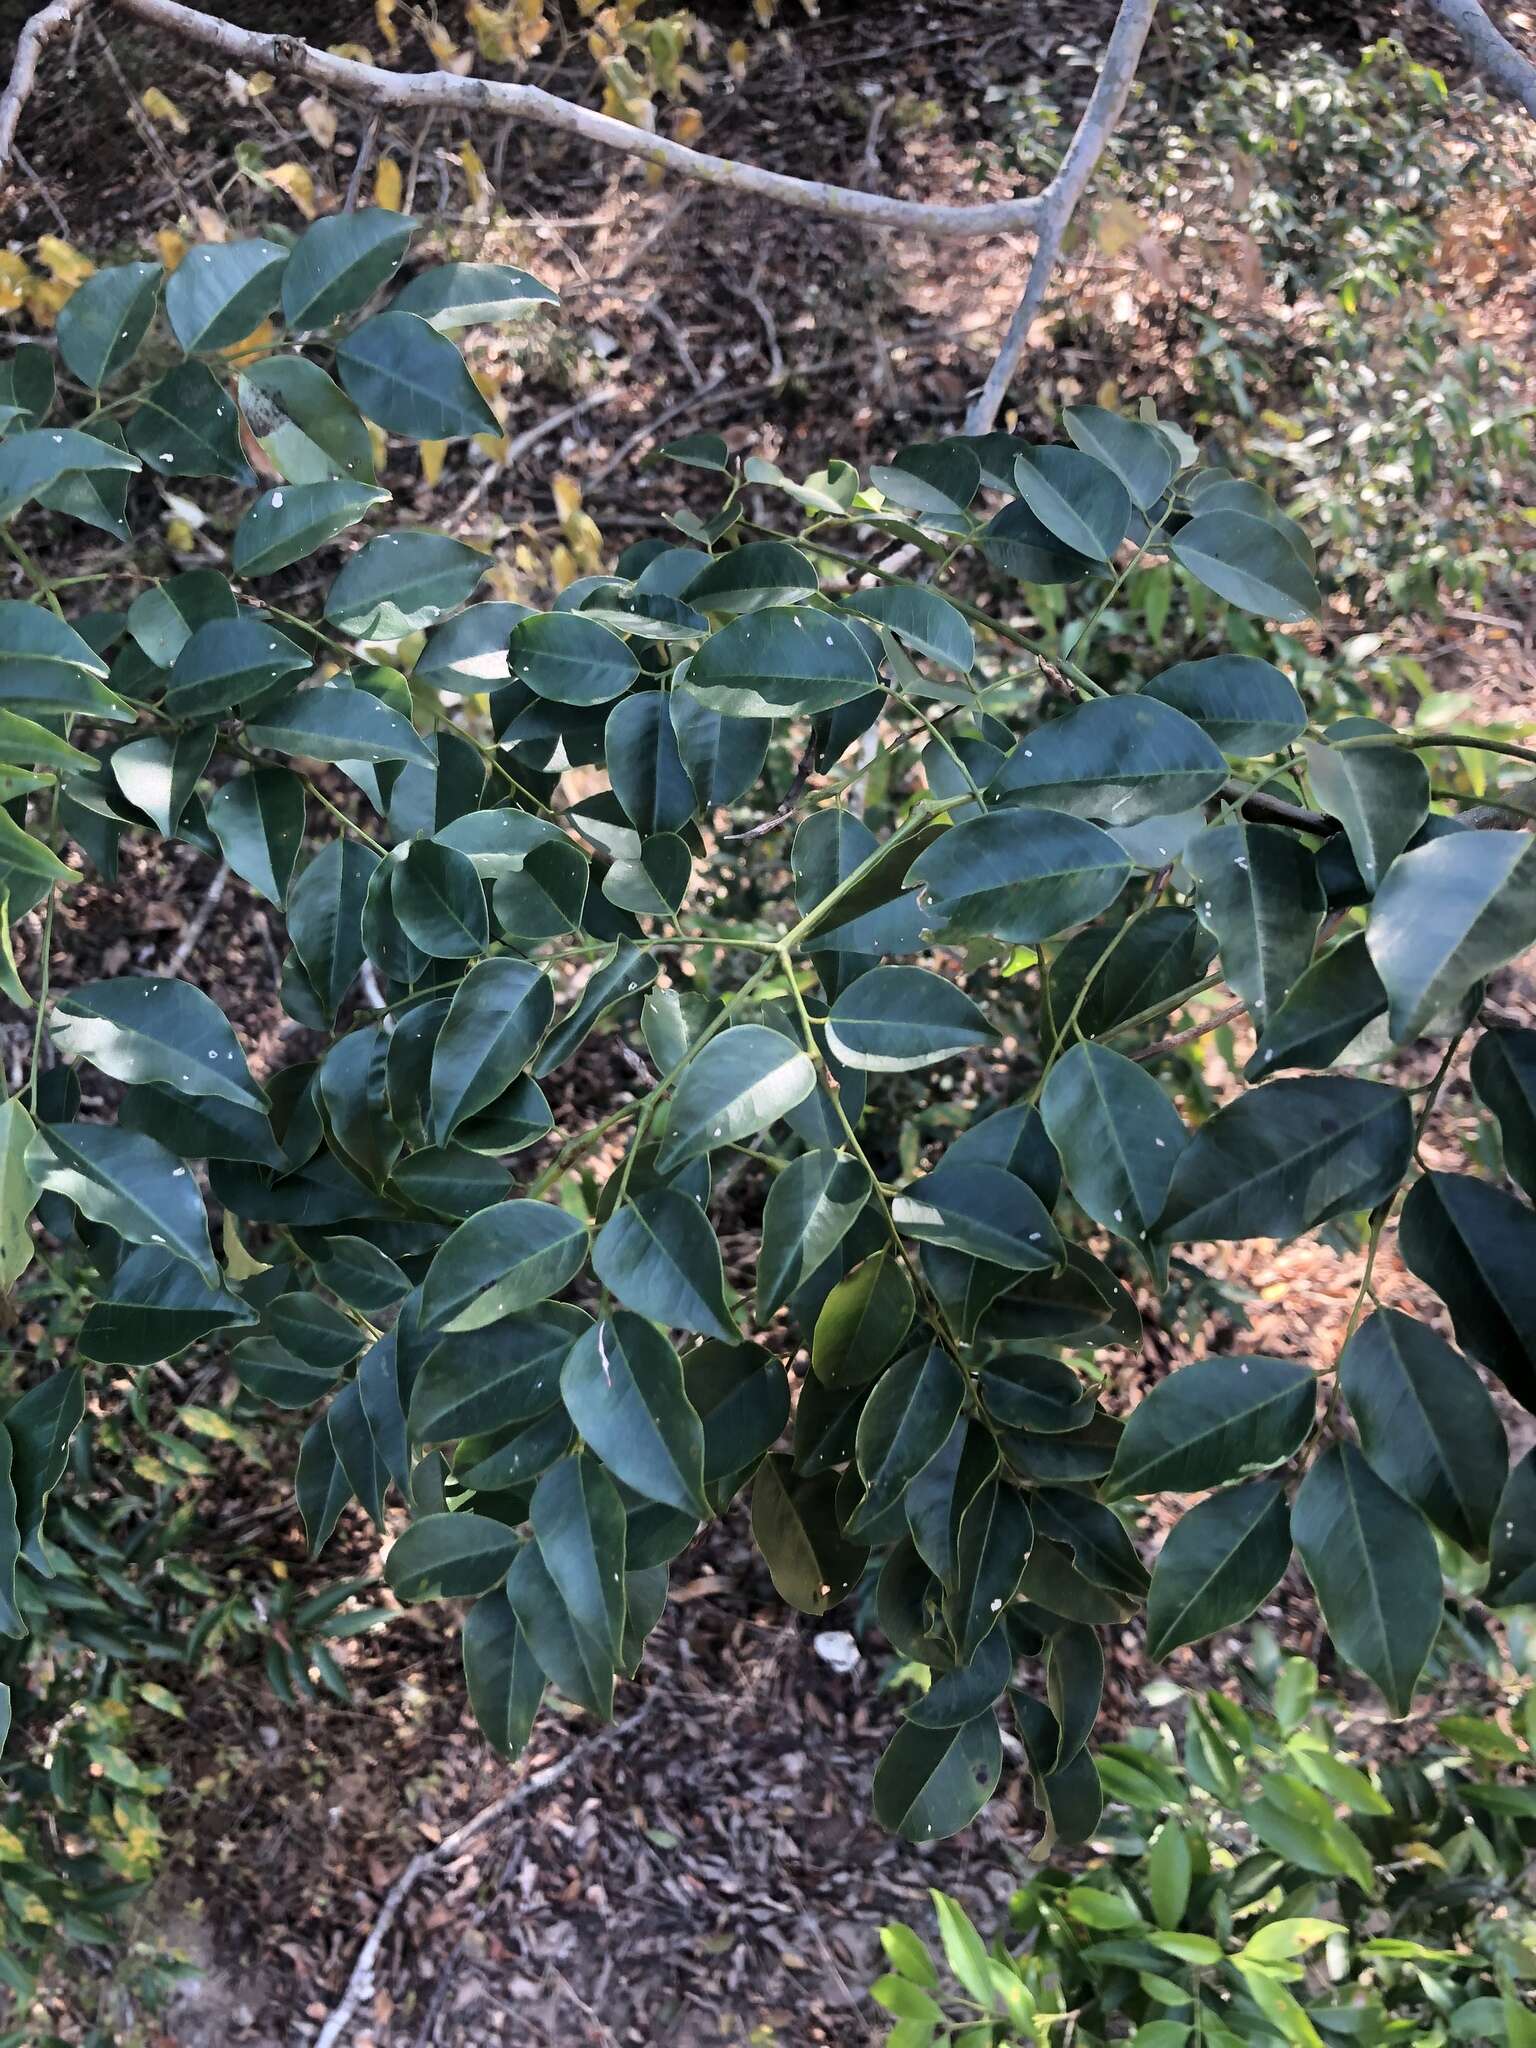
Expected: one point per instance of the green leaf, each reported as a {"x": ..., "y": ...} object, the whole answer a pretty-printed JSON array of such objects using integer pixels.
[
  {"x": 626, "y": 974},
  {"x": 23, "y": 740},
  {"x": 569, "y": 659},
  {"x": 904, "y": 1423},
  {"x": 1019, "y": 875},
  {"x": 40, "y": 1426},
  {"x": 1426, "y": 1424},
  {"x": 991, "y": 1547},
  {"x": 936, "y": 481},
  {"x": 104, "y": 319},
  {"x": 738, "y": 1084},
  {"x": 1247, "y": 706},
  {"x": 1378, "y": 790},
  {"x": 1447, "y": 914},
  {"x": 655, "y": 884},
  {"x": 1118, "y": 1136},
  {"x": 924, "y": 621},
  {"x": 450, "y": 296},
  {"x": 409, "y": 379},
  {"x": 982, "y": 1211},
  {"x": 30, "y": 462},
  {"x": 795, "y": 1525},
  {"x": 863, "y": 1321},
  {"x": 1170, "y": 1870},
  {"x": 893, "y": 1019},
  {"x": 1212, "y": 1421},
  {"x": 1217, "y": 1564},
  {"x": 273, "y": 1374},
  {"x": 578, "y": 1523},
  {"x": 439, "y": 901},
  {"x": 258, "y": 820},
  {"x": 306, "y": 426},
  {"x": 506, "y": 1375},
  {"x": 658, "y": 1256},
  {"x": 503, "y": 1260},
  {"x": 325, "y": 918},
  {"x": 158, "y": 775},
  {"x": 1029, "y": 1390},
  {"x": 723, "y": 757},
  {"x": 1504, "y": 1074},
  {"x": 1512, "y": 1543},
  {"x": 1017, "y": 544},
  {"x": 741, "y": 1395},
  {"x": 501, "y": 1675},
  {"x": 27, "y": 382},
  {"x": 187, "y": 426},
  {"x": 645, "y": 765},
  {"x": 46, "y": 667},
  {"x": 1283, "y": 1158},
  {"x": 450, "y": 1557},
  {"x": 286, "y": 524},
  {"x": 624, "y": 1389},
  {"x": 791, "y": 660},
  {"x": 1373, "y": 1562},
  {"x": 340, "y": 261},
  {"x": 1257, "y": 892},
  {"x": 398, "y": 583},
  {"x": 225, "y": 662},
  {"x": 575, "y": 1661},
  {"x": 18, "y": 1192},
  {"x": 140, "y": 1028},
  {"x": 1325, "y": 1012},
  {"x": 810, "y": 1209},
  {"x": 752, "y": 578},
  {"x": 1118, "y": 759},
  {"x": 1076, "y": 498},
  {"x": 500, "y": 1012},
  {"x": 1249, "y": 562},
  {"x": 1139, "y": 455},
  {"x": 23, "y": 854},
  {"x": 130, "y": 1183},
  {"x": 164, "y": 617},
  {"x": 219, "y": 292},
  {"x": 12, "y": 1621},
  {"x": 1476, "y": 1247},
  {"x": 932, "y": 1782},
  {"x": 335, "y": 724}
]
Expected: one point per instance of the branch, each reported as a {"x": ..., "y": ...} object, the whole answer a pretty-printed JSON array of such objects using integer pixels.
[
  {"x": 1059, "y": 200},
  {"x": 1508, "y": 70},
  {"x": 37, "y": 32},
  {"x": 429, "y": 91}
]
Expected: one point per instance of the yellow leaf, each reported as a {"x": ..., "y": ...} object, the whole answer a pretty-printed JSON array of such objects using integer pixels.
[
  {"x": 46, "y": 297},
  {"x": 295, "y": 181},
  {"x": 279, "y": 1568},
  {"x": 383, "y": 14},
  {"x": 439, "y": 42},
  {"x": 378, "y": 444},
  {"x": 164, "y": 110},
  {"x": 240, "y": 1264},
  {"x": 258, "y": 83},
  {"x": 62, "y": 262},
  {"x": 388, "y": 185},
  {"x": 1108, "y": 395},
  {"x": 179, "y": 537},
  {"x": 562, "y": 567},
  {"x": 1117, "y": 227},
  {"x": 566, "y": 493},
  {"x": 320, "y": 119},
  {"x": 14, "y": 278},
  {"x": 432, "y": 453},
  {"x": 256, "y": 343},
  {"x": 474, "y": 173},
  {"x": 358, "y": 53},
  {"x": 171, "y": 246},
  {"x": 688, "y": 125},
  {"x": 736, "y": 56},
  {"x": 211, "y": 224}
]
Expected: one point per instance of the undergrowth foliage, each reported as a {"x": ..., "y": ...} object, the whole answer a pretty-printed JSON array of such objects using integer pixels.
[{"x": 547, "y": 1368}]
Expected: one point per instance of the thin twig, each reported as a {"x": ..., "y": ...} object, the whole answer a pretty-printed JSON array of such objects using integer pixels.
[
  {"x": 360, "y": 168},
  {"x": 198, "y": 924},
  {"x": 1194, "y": 1031}
]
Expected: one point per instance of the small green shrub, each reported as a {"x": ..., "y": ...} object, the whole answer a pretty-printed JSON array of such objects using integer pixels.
[{"x": 1262, "y": 1885}]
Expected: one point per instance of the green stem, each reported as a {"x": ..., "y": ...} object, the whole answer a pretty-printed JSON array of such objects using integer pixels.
[{"x": 1059, "y": 1041}]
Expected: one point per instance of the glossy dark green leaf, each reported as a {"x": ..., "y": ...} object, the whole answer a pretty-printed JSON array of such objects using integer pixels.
[
  {"x": 440, "y": 902},
  {"x": 158, "y": 775},
  {"x": 128, "y": 1182},
  {"x": 752, "y": 578},
  {"x": 655, "y": 884},
  {"x": 1512, "y": 1543},
  {"x": 1504, "y": 1075},
  {"x": 742, "y": 1081},
  {"x": 27, "y": 384},
  {"x": 1018, "y": 875},
  {"x": 314, "y": 1331},
  {"x": 45, "y": 666},
  {"x": 305, "y": 425},
  {"x": 320, "y": 1486},
  {"x": 1327, "y": 1009},
  {"x": 220, "y": 291},
  {"x": 289, "y": 522},
  {"x": 569, "y": 659},
  {"x": 264, "y": 1368},
  {"x": 409, "y": 379},
  {"x": 258, "y": 820},
  {"x": 811, "y": 1207},
  {"x": 958, "y": 1696},
  {"x": 991, "y": 1549},
  {"x": 863, "y": 1321},
  {"x": 30, "y": 462},
  {"x": 501, "y": 1261},
  {"x": 1074, "y": 1687},
  {"x": 398, "y": 583},
  {"x": 894, "y": 1019},
  {"x": 578, "y": 1524},
  {"x": 624, "y": 1389},
  {"x": 1426, "y": 1424},
  {"x": 786, "y": 660},
  {"x": 741, "y": 1396},
  {"x": 1447, "y": 914},
  {"x": 1373, "y": 1563},
  {"x": 356, "y": 1452},
  {"x": 1076, "y": 498},
  {"x": 657, "y": 1255},
  {"x": 1016, "y": 542},
  {"x": 1256, "y": 891},
  {"x": 1213, "y": 1421},
  {"x": 936, "y": 481},
  {"x": 627, "y": 974},
  {"x": 1118, "y": 1135},
  {"x": 340, "y": 261},
  {"x": 187, "y": 426},
  {"x": 1029, "y": 1390},
  {"x": 325, "y": 912},
  {"x": 1377, "y": 789},
  {"x": 1249, "y": 562},
  {"x": 496, "y": 1377},
  {"x": 982, "y": 1211},
  {"x": 645, "y": 765},
  {"x": 499, "y": 1013},
  {"x": 1218, "y": 1562},
  {"x": 571, "y": 1657},
  {"x": 40, "y": 1426},
  {"x": 520, "y": 1453},
  {"x": 152, "y": 1308},
  {"x": 225, "y": 662},
  {"x": 1094, "y": 1538},
  {"x": 1117, "y": 759},
  {"x": 723, "y": 757},
  {"x": 451, "y": 1180},
  {"x": 450, "y": 1557},
  {"x": 450, "y": 296},
  {"x": 932, "y": 1782},
  {"x": 503, "y": 1678},
  {"x": 1072, "y": 1798},
  {"x": 1476, "y": 1247},
  {"x": 1281, "y": 1159},
  {"x": 141, "y": 1028},
  {"x": 104, "y": 319},
  {"x": 905, "y": 1423},
  {"x": 1247, "y": 706},
  {"x": 921, "y": 619},
  {"x": 1139, "y": 455}
]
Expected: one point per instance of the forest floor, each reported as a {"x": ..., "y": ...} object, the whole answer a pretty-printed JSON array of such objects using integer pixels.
[{"x": 708, "y": 1870}]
